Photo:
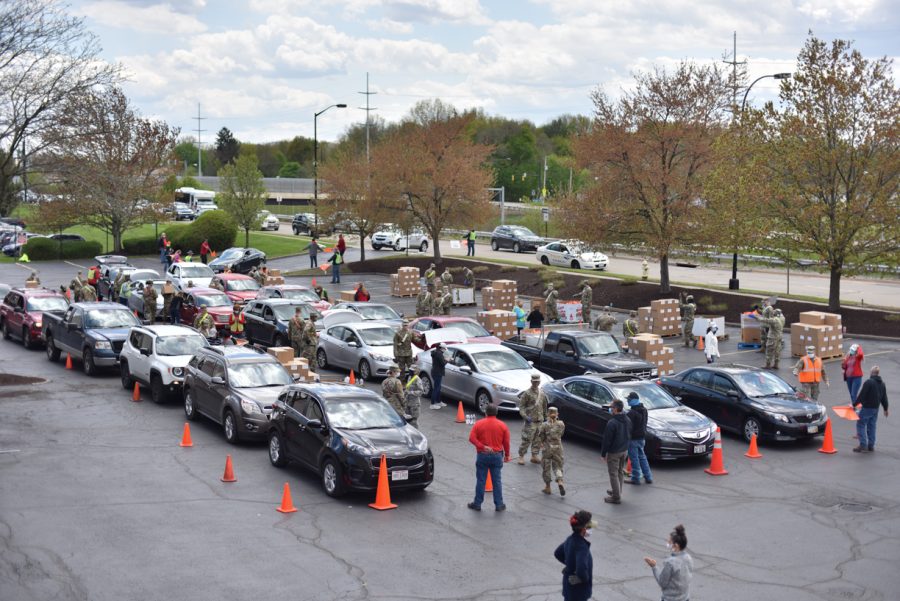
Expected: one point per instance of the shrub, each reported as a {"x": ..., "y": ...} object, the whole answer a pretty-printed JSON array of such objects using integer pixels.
[
  {"x": 892, "y": 317},
  {"x": 508, "y": 268},
  {"x": 705, "y": 300},
  {"x": 456, "y": 270},
  {"x": 480, "y": 269},
  {"x": 628, "y": 282},
  {"x": 719, "y": 308},
  {"x": 146, "y": 245},
  {"x": 45, "y": 249},
  {"x": 217, "y": 226}
]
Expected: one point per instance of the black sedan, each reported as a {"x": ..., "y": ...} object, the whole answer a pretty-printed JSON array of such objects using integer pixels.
[
  {"x": 238, "y": 260},
  {"x": 673, "y": 430},
  {"x": 748, "y": 400},
  {"x": 340, "y": 432},
  {"x": 266, "y": 321},
  {"x": 515, "y": 237}
]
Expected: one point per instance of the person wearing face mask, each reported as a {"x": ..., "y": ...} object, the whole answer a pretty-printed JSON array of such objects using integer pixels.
[
  {"x": 674, "y": 577},
  {"x": 711, "y": 343},
  {"x": 575, "y": 554},
  {"x": 810, "y": 373},
  {"x": 853, "y": 372},
  {"x": 550, "y": 435}
]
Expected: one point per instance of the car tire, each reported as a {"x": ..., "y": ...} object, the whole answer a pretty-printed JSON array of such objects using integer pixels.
[
  {"x": 125, "y": 376},
  {"x": 332, "y": 478},
  {"x": 516, "y": 248},
  {"x": 27, "y": 340},
  {"x": 426, "y": 386},
  {"x": 494, "y": 245},
  {"x": 397, "y": 247},
  {"x": 423, "y": 247},
  {"x": 365, "y": 370},
  {"x": 545, "y": 260},
  {"x": 576, "y": 265},
  {"x": 751, "y": 426},
  {"x": 157, "y": 392},
  {"x": 276, "y": 450},
  {"x": 6, "y": 333},
  {"x": 52, "y": 351},
  {"x": 482, "y": 400},
  {"x": 190, "y": 409},
  {"x": 87, "y": 363},
  {"x": 376, "y": 247},
  {"x": 296, "y": 231},
  {"x": 321, "y": 359},
  {"x": 230, "y": 427}
]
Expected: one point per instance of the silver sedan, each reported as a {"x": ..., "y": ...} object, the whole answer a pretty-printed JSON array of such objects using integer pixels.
[
  {"x": 482, "y": 374},
  {"x": 364, "y": 346}
]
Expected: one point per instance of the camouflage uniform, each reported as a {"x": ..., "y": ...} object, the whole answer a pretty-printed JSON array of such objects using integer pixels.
[
  {"x": 114, "y": 291},
  {"x": 204, "y": 321},
  {"x": 446, "y": 302},
  {"x": 420, "y": 303},
  {"x": 88, "y": 294},
  {"x": 75, "y": 286},
  {"x": 767, "y": 313},
  {"x": 447, "y": 277},
  {"x": 810, "y": 388},
  {"x": 468, "y": 278},
  {"x": 552, "y": 309},
  {"x": 403, "y": 348},
  {"x": 533, "y": 409},
  {"x": 773, "y": 341},
  {"x": 430, "y": 276},
  {"x": 605, "y": 322},
  {"x": 295, "y": 332},
  {"x": 310, "y": 343},
  {"x": 167, "y": 304},
  {"x": 630, "y": 327},
  {"x": 150, "y": 303},
  {"x": 414, "y": 392},
  {"x": 687, "y": 324},
  {"x": 587, "y": 299},
  {"x": 392, "y": 390},
  {"x": 550, "y": 435}
]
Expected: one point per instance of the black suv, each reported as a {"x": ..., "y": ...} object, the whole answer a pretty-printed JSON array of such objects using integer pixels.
[
  {"x": 516, "y": 237},
  {"x": 267, "y": 320},
  {"x": 341, "y": 431},
  {"x": 238, "y": 260},
  {"x": 234, "y": 386}
]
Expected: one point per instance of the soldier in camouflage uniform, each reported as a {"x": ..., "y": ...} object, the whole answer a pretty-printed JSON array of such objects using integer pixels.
[
  {"x": 767, "y": 312},
  {"x": 605, "y": 322},
  {"x": 468, "y": 278},
  {"x": 403, "y": 347},
  {"x": 310, "y": 341},
  {"x": 414, "y": 390},
  {"x": 149, "y": 302},
  {"x": 423, "y": 303},
  {"x": 773, "y": 340},
  {"x": 75, "y": 286},
  {"x": 689, "y": 309},
  {"x": 552, "y": 310},
  {"x": 295, "y": 331},
  {"x": 550, "y": 435},
  {"x": 88, "y": 293},
  {"x": 447, "y": 277},
  {"x": 587, "y": 299},
  {"x": 167, "y": 303},
  {"x": 392, "y": 390},
  {"x": 533, "y": 409},
  {"x": 446, "y": 301},
  {"x": 630, "y": 326},
  {"x": 204, "y": 322},
  {"x": 430, "y": 276}
]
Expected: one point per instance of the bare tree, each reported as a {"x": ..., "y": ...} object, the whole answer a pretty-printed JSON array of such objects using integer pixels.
[
  {"x": 243, "y": 193},
  {"x": 45, "y": 57}
]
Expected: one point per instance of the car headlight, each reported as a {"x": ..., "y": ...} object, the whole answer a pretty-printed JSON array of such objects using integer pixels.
[
  {"x": 178, "y": 372},
  {"x": 356, "y": 448},
  {"x": 663, "y": 434},
  {"x": 381, "y": 358},
  {"x": 506, "y": 389},
  {"x": 103, "y": 345},
  {"x": 654, "y": 372},
  {"x": 250, "y": 407},
  {"x": 778, "y": 417}
]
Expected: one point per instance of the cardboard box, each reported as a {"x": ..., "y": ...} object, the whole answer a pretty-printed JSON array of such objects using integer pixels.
[
  {"x": 284, "y": 354},
  {"x": 275, "y": 273},
  {"x": 274, "y": 281},
  {"x": 646, "y": 346},
  {"x": 813, "y": 318},
  {"x": 666, "y": 361},
  {"x": 827, "y": 340},
  {"x": 33, "y": 284},
  {"x": 348, "y": 295},
  {"x": 501, "y": 323}
]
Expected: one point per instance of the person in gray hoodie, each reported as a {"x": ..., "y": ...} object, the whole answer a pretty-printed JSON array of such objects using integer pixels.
[
  {"x": 674, "y": 577},
  {"x": 614, "y": 449}
]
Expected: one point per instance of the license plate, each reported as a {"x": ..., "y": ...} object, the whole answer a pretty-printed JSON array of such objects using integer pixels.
[
  {"x": 812, "y": 429},
  {"x": 699, "y": 449},
  {"x": 400, "y": 475}
]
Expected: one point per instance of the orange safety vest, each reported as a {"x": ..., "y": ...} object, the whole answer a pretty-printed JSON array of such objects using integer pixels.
[
  {"x": 812, "y": 370},
  {"x": 236, "y": 325}
]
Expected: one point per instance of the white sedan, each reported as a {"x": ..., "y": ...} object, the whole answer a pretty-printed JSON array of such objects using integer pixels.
[
  {"x": 567, "y": 253},
  {"x": 198, "y": 274}
]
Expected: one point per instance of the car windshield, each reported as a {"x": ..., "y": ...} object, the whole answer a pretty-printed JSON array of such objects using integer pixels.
[
  {"x": 196, "y": 271},
  {"x": 46, "y": 303},
  {"x": 286, "y": 312},
  {"x": 297, "y": 294},
  {"x": 214, "y": 300},
  {"x": 253, "y": 375},
  {"x": 361, "y": 414},
  {"x": 761, "y": 383},
  {"x": 115, "y": 318},
  {"x": 592, "y": 346},
  {"x": 377, "y": 312},
  {"x": 492, "y": 361},
  {"x": 469, "y": 328},
  {"x": 651, "y": 395},
  {"x": 158, "y": 286},
  {"x": 232, "y": 253},
  {"x": 377, "y": 336},
  {"x": 173, "y": 346},
  {"x": 522, "y": 231},
  {"x": 241, "y": 285}
]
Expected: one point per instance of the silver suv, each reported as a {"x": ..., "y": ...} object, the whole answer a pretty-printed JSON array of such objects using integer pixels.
[
  {"x": 396, "y": 239},
  {"x": 156, "y": 356}
]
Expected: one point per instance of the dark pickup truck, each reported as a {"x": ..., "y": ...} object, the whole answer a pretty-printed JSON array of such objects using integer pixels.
[
  {"x": 566, "y": 353},
  {"x": 92, "y": 332}
]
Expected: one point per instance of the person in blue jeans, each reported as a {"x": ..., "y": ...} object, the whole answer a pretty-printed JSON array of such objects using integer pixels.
[
  {"x": 438, "y": 363},
  {"x": 637, "y": 415},
  {"x": 872, "y": 394},
  {"x": 490, "y": 437}
]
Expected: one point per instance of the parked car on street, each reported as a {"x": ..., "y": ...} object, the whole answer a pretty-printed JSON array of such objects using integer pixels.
[
  {"x": 372, "y": 311},
  {"x": 239, "y": 288},
  {"x": 156, "y": 356},
  {"x": 22, "y": 313},
  {"x": 268, "y": 222},
  {"x": 573, "y": 254},
  {"x": 473, "y": 330},
  {"x": 238, "y": 260},
  {"x": 92, "y": 332},
  {"x": 217, "y": 304},
  {"x": 304, "y": 223},
  {"x": 515, "y": 237},
  {"x": 14, "y": 247},
  {"x": 266, "y": 321},
  {"x": 366, "y": 347},
  {"x": 182, "y": 273},
  {"x": 293, "y": 292},
  {"x": 340, "y": 432},
  {"x": 182, "y": 212},
  {"x": 396, "y": 239}
]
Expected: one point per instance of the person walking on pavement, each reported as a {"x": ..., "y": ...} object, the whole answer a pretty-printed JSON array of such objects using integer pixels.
[
  {"x": 637, "y": 417},
  {"x": 295, "y": 331},
  {"x": 470, "y": 243},
  {"x": 810, "y": 373},
  {"x": 438, "y": 365},
  {"x": 519, "y": 312},
  {"x": 552, "y": 296},
  {"x": 535, "y": 318},
  {"x": 341, "y": 244},
  {"x": 533, "y": 409},
  {"x": 613, "y": 450},
  {"x": 313, "y": 249},
  {"x": 162, "y": 245},
  {"x": 550, "y": 436},
  {"x": 491, "y": 439},
  {"x": 872, "y": 394},
  {"x": 361, "y": 295},
  {"x": 414, "y": 389},
  {"x": 392, "y": 391},
  {"x": 403, "y": 347},
  {"x": 688, "y": 310},
  {"x": 204, "y": 251},
  {"x": 587, "y": 299},
  {"x": 674, "y": 577},
  {"x": 774, "y": 330},
  {"x": 336, "y": 259},
  {"x": 711, "y": 343},
  {"x": 575, "y": 554},
  {"x": 853, "y": 371}
]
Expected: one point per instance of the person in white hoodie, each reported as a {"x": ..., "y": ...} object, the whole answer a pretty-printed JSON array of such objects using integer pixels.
[{"x": 711, "y": 343}]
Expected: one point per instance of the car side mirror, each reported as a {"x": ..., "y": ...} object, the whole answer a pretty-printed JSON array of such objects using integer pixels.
[
  {"x": 732, "y": 394},
  {"x": 678, "y": 398},
  {"x": 144, "y": 351},
  {"x": 70, "y": 326},
  {"x": 19, "y": 310},
  {"x": 570, "y": 353},
  {"x": 466, "y": 369},
  {"x": 217, "y": 380},
  {"x": 402, "y": 315},
  {"x": 315, "y": 424},
  {"x": 353, "y": 344}
]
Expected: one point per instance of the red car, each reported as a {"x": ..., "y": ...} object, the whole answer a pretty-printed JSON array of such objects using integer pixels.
[
  {"x": 217, "y": 304},
  {"x": 293, "y": 292},
  {"x": 22, "y": 312},
  {"x": 473, "y": 330},
  {"x": 239, "y": 288}
]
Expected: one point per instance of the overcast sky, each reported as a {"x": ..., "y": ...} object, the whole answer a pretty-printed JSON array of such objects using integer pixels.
[{"x": 262, "y": 68}]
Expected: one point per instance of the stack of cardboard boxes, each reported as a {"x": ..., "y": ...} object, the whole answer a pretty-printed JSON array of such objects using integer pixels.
[
  {"x": 501, "y": 294},
  {"x": 501, "y": 323},
  {"x": 750, "y": 328},
  {"x": 298, "y": 368},
  {"x": 31, "y": 284},
  {"x": 274, "y": 278},
  {"x": 650, "y": 348},
  {"x": 662, "y": 317},
  {"x": 405, "y": 282},
  {"x": 821, "y": 330},
  {"x": 348, "y": 295}
]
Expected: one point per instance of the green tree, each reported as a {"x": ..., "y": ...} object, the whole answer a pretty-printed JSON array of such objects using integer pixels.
[
  {"x": 290, "y": 169},
  {"x": 242, "y": 193},
  {"x": 227, "y": 146}
]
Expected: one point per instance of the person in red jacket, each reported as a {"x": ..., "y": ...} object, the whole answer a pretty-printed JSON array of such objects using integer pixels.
[
  {"x": 491, "y": 439},
  {"x": 852, "y": 368},
  {"x": 204, "y": 250},
  {"x": 342, "y": 244},
  {"x": 362, "y": 295}
]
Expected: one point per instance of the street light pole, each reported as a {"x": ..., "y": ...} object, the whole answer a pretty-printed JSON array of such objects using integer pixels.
[
  {"x": 734, "y": 283},
  {"x": 316, "y": 161}
]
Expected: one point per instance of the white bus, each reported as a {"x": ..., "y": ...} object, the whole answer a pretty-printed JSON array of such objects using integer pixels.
[{"x": 198, "y": 200}]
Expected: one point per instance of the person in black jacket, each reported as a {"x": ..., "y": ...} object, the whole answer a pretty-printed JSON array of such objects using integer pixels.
[
  {"x": 637, "y": 415},
  {"x": 575, "y": 553},
  {"x": 438, "y": 362},
  {"x": 872, "y": 394},
  {"x": 613, "y": 450},
  {"x": 535, "y": 319}
]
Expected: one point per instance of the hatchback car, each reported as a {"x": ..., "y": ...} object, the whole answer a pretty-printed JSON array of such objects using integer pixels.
[
  {"x": 341, "y": 432},
  {"x": 372, "y": 311},
  {"x": 217, "y": 304},
  {"x": 238, "y": 260},
  {"x": 748, "y": 400},
  {"x": 294, "y": 292},
  {"x": 673, "y": 430},
  {"x": 156, "y": 356},
  {"x": 364, "y": 346},
  {"x": 473, "y": 330},
  {"x": 515, "y": 237},
  {"x": 234, "y": 386},
  {"x": 266, "y": 321},
  {"x": 22, "y": 310},
  {"x": 572, "y": 254},
  {"x": 182, "y": 273},
  {"x": 239, "y": 288}
]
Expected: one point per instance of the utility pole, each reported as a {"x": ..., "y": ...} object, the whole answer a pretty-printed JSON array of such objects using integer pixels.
[
  {"x": 734, "y": 74},
  {"x": 199, "y": 152},
  {"x": 367, "y": 93},
  {"x": 544, "y": 182}
]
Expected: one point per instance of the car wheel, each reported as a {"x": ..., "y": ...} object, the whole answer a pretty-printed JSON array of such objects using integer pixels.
[
  {"x": 545, "y": 260},
  {"x": 482, "y": 400},
  {"x": 576, "y": 265},
  {"x": 423, "y": 247},
  {"x": 426, "y": 386},
  {"x": 397, "y": 247},
  {"x": 87, "y": 363},
  {"x": 27, "y": 340},
  {"x": 376, "y": 247},
  {"x": 229, "y": 425},
  {"x": 332, "y": 478},
  {"x": 125, "y": 375},
  {"x": 494, "y": 245},
  {"x": 157, "y": 392},
  {"x": 52, "y": 351},
  {"x": 6, "y": 333},
  {"x": 516, "y": 247},
  {"x": 321, "y": 359},
  {"x": 190, "y": 410},
  {"x": 365, "y": 370},
  {"x": 751, "y": 427},
  {"x": 276, "y": 450},
  {"x": 296, "y": 232}
]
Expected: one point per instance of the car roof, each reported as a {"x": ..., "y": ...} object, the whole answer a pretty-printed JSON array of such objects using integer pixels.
[
  {"x": 279, "y": 301},
  {"x": 232, "y": 276},
  {"x": 733, "y": 368},
  {"x": 169, "y": 330},
  {"x": 236, "y": 354},
  {"x": 448, "y": 318},
  {"x": 203, "y": 290},
  {"x": 287, "y": 287},
  {"x": 36, "y": 291},
  {"x": 102, "y": 305},
  {"x": 334, "y": 390}
]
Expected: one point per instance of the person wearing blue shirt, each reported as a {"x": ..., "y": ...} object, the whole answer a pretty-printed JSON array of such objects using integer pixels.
[{"x": 575, "y": 554}]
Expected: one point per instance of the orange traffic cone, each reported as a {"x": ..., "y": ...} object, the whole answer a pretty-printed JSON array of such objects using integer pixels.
[
  {"x": 828, "y": 443},
  {"x": 287, "y": 504},
  {"x": 383, "y": 493},
  {"x": 753, "y": 452},
  {"x": 68, "y": 361},
  {"x": 186, "y": 436},
  {"x": 460, "y": 414},
  {"x": 352, "y": 377},
  {"x": 700, "y": 344},
  {"x": 489, "y": 484},
  {"x": 717, "y": 465},
  {"x": 228, "y": 476},
  {"x": 136, "y": 395}
]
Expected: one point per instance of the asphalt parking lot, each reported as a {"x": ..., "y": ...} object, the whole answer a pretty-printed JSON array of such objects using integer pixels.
[{"x": 98, "y": 501}]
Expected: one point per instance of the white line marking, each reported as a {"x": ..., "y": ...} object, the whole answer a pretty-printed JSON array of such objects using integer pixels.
[
  {"x": 75, "y": 265},
  {"x": 11, "y": 451}
]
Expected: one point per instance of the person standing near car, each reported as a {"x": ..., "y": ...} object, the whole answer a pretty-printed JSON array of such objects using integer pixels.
[
  {"x": 174, "y": 312},
  {"x": 519, "y": 312},
  {"x": 311, "y": 341},
  {"x": 587, "y": 299},
  {"x": 413, "y": 389},
  {"x": 711, "y": 343},
  {"x": 637, "y": 417},
  {"x": 810, "y": 373},
  {"x": 613, "y": 450},
  {"x": 295, "y": 331},
  {"x": 313, "y": 249},
  {"x": 236, "y": 323},
  {"x": 774, "y": 331},
  {"x": 872, "y": 394},
  {"x": 361, "y": 295},
  {"x": 674, "y": 578},
  {"x": 392, "y": 390},
  {"x": 630, "y": 326},
  {"x": 535, "y": 318},
  {"x": 149, "y": 302},
  {"x": 403, "y": 347},
  {"x": 491, "y": 439},
  {"x": 336, "y": 259},
  {"x": 438, "y": 365},
  {"x": 204, "y": 251},
  {"x": 533, "y": 409},
  {"x": 204, "y": 323},
  {"x": 575, "y": 554},
  {"x": 552, "y": 296},
  {"x": 852, "y": 368},
  {"x": 550, "y": 436}
]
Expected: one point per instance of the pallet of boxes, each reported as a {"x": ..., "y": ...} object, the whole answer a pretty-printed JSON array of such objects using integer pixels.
[
  {"x": 662, "y": 317},
  {"x": 501, "y": 294},
  {"x": 501, "y": 324},
  {"x": 274, "y": 278},
  {"x": 298, "y": 367},
  {"x": 405, "y": 282},
  {"x": 650, "y": 348},
  {"x": 821, "y": 330}
]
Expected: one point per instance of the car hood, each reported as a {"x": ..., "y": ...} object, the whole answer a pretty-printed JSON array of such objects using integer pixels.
[
  {"x": 383, "y": 349},
  {"x": 389, "y": 441},
  {"x": 614, "y": 363},
  {"x": 786, "y": 404},
  {"x": 111, "y": 334},
  {"x": 174, "y": 360},
  {"x": 241, "y": 295},
  {"x": 264, "y": 395},
  {"x": 534, "y": 239},
  {"x": 198, "y": 282},
  {"x": 520, "y": 379},
  {"x": 680, "y": 418}
]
